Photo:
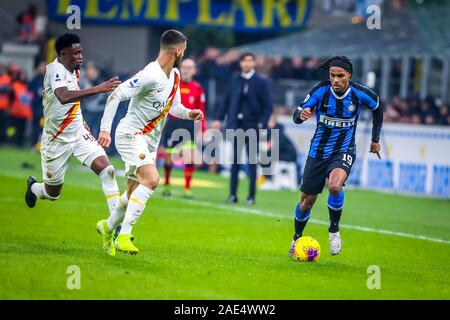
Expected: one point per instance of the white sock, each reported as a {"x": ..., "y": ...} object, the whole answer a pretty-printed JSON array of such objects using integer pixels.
[
  {"x": 117, "y": 215},
  {"x": 39, "y": 191},
  {"x": 136, "y": 206},
  {"x": 110, "y": 188}
]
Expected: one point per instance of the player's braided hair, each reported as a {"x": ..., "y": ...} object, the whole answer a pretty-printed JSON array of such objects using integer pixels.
[{"x": 338, "y": 61}]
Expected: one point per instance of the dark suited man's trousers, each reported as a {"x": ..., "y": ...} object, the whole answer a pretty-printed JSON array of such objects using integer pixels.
[{"x": 251, "y": 149}]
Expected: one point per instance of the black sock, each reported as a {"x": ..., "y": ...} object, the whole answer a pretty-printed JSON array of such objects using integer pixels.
[
  {"x": 335, "y": 216},
  {"x": 299, "y": 227}
]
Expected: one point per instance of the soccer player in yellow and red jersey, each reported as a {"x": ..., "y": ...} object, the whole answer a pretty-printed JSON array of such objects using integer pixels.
[{"x": 193, "y": 97}]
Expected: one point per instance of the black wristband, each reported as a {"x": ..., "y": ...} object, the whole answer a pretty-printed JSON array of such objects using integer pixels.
[{"x": 296, "y": 116}]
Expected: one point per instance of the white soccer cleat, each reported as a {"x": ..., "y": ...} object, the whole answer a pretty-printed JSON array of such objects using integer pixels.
[{"x": 335, "y": 243}]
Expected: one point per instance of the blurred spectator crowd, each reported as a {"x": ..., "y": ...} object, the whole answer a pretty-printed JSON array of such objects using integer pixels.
[
  {"x": 21, "y": 110},
  {"x": 416, "y": 111},
  {"x": 212, "y": 63}
]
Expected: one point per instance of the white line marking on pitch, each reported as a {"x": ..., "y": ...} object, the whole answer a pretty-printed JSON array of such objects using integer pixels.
[
  {"x": 347, "y": 226},
  {"x": 279, "y": 216}
]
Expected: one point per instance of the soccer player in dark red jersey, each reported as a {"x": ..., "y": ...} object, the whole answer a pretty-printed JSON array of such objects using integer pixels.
[{"x": 192, "y": 97}]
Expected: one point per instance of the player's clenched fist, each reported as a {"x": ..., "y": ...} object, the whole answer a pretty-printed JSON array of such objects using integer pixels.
[
  {"x": 196, "y": 114},
  {"x": 305, "y": 114},
  {"x": 104, "y": 139},
  {"x": 301, "y": 115},
  {"x": 109, "y": 85}
]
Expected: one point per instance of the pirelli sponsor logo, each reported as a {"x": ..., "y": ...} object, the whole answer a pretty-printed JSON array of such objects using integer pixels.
[{"x": 336, "y": 122}]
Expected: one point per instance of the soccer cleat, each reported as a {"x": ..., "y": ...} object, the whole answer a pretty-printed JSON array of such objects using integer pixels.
[
  {"x": 188, "y": 194},
  {"x": 232, "y": 199},
  {"x": 107, "y": 235},
  {"x": 250, "y": 201},
  {"x": 292, "y": 249},
  {"x": 123, "y": 244},
  {"x": 335, "y": 243},
  {"x": 117, "y": 232},
  {"x": 30, "y": 197},
  {"x": 167, "y": 191}
]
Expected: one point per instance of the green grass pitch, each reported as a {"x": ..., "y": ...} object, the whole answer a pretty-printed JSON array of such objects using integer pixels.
[{"x": 204, "y": 249}]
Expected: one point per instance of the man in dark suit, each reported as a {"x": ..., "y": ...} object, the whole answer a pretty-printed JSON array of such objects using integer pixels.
[{"x": 247, "y": 106}]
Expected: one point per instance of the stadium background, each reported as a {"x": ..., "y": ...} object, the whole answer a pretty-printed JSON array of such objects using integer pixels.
[{"x": 406, "y": 61}]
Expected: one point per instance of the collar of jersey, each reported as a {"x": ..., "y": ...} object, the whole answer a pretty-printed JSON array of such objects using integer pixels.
[
  {"x": 72, "y": 73},
  {"x": 340, "y": 97},
  {"x": 162, "y": 71}
]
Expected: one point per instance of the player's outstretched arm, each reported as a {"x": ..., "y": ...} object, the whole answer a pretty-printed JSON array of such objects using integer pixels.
[
  {"x": 125, "y": 91},
  {"x": 65, "y": 95},
  {"x": 180, "y": 111},
  {"x": 104, "y": 138},
  {"x": 377, "y": 123},
  {"x": 371, "y": 100}
]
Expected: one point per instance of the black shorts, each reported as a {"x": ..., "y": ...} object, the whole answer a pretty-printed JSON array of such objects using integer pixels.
[
  {"x": 317, "y": 170},
  {"x": 169, "y": 140}
]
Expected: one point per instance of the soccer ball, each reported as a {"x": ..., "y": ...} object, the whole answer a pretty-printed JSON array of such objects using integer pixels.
[{"x": 306, "y": 249}]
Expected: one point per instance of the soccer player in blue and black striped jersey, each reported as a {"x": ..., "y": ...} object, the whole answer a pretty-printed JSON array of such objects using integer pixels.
[{"x": 338, "y": 103}]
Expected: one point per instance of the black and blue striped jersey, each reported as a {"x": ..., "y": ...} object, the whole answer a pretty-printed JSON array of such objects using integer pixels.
[{"x": 337, "y": 117}]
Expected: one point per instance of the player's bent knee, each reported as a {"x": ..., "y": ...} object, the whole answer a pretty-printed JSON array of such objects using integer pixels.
[
  {"x": 334, "y": 188},
  {"x": 151, "y": 182},
  {"x": 99, "y": 164}
]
